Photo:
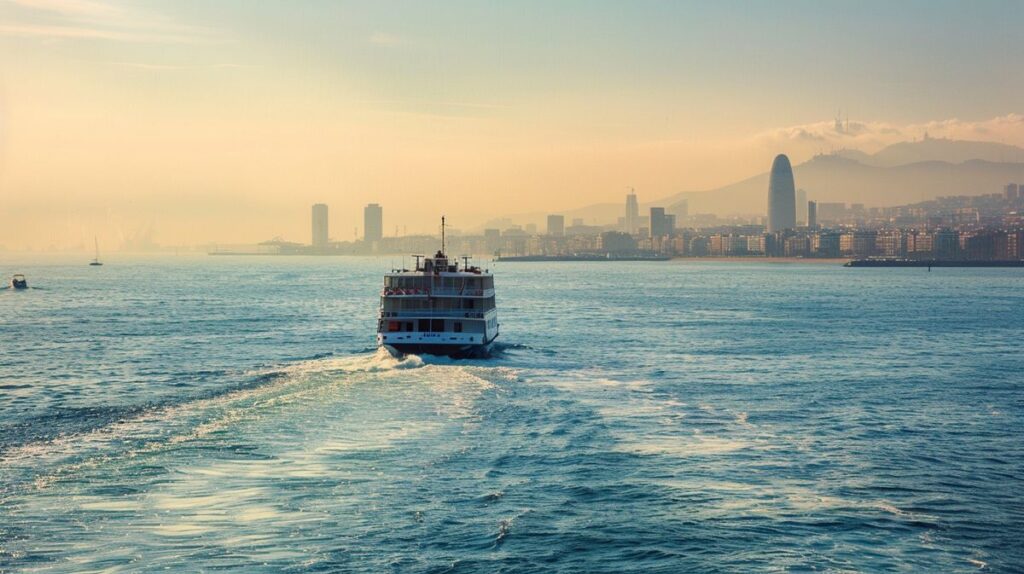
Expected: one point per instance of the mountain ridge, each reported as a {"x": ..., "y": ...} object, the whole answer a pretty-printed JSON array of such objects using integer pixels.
[{"x": 941, "y": 167}]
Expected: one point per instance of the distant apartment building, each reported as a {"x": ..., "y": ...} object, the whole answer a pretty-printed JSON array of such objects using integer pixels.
[
  {"x": 373, "y": 223},
  {"x": 919, "y": 245},
  {"x": 812, "y": 214},
  {"x": 864, "y": 243},
  {"x": 891, "y": 243},
  {"x": 797, "y": 246},
  {"x": 946, "y": 244},
  {"x": 825, "y": 244},
  {"x": 320, "y": 231},
  {"x": 556, "y": 225},
  {"x": 662, "y": 224},
  {"x": 617, "y": 242},
  {"x": 755, "y": 244},
  {"x": 831, "y": 212},
  {"x": 1008, "y": 246}
]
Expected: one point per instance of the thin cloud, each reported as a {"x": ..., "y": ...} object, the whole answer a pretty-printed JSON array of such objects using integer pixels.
[
  {"x": 93, "y": 20},
  {"x": 148, "y": 66},
  {"x": 79, "y": 32},
  {"x": 870, "y": 136},
  {"x": 71, "y": 8}
]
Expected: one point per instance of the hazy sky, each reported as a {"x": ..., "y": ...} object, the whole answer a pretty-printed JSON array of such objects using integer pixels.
[{"x": 196, "y": 121}]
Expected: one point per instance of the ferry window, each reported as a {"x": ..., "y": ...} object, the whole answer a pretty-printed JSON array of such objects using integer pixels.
[
  {"x": 394, "y": 326},
  {"x": 408, "y": 326},
  {"x": 424, "y": 325},
  {"x": 437, "y": 325},
  {"x": 469, "y": 303},
  {"x": 458, "y": 326}
]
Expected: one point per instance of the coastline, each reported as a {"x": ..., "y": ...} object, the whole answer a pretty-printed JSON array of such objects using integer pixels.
[{"x": 818, "y": 260}]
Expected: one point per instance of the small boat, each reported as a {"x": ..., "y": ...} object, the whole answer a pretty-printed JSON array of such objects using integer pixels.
[
  {"x": 438, "y": 308},
  {"x": 96, "y": 260},
  {"x": 19, "y": 281}
]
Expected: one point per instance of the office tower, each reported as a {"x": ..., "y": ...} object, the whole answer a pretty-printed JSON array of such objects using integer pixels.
[
  {"x": 781, "y": 196},
  {"x": 801, "y": 207},
  {"x": 320, "y": 227},
  {"x": 556, "y": 225},
  {"x": 660, "y": 223},
  {"x": 373, "y": 223},
  {"x": 812, "y": 214},
  {"x": 632, "y": 214},
  {"x": 1012, "y": 191}
]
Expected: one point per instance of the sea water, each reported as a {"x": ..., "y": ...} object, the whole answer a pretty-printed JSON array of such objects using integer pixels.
[{"x": 232, "y": 414}]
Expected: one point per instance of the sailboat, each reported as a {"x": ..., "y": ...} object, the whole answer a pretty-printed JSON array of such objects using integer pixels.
[{"x": 96, "y": 260}]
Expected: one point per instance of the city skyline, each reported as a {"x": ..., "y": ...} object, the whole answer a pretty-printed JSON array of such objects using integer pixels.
[{"x": 185, "y": 124}]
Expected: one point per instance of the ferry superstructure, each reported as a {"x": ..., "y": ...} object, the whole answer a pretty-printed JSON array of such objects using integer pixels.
[{"x": 438, "y": 308}]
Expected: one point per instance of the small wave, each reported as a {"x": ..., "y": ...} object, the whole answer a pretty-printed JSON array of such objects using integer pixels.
[{"x": 136, "y": 430}]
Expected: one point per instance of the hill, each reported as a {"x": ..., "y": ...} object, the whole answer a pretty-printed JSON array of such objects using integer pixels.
[
  {"x": 837, "y": 179},
  {"x": 902, "y": 173}
]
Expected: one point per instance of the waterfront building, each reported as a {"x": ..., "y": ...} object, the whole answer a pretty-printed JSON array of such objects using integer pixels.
[
  {"x": 825, "y": 244},
  {"x": 797, "y": 246},
  {"x": 891, "y": 243},
  {"x": 781, "y": 196},
  {"x": 946, "y": 244},
  {"x": 864, "y": 243},
  {"x": 755, "y": 244},
  {"x": 320, "y": 236},
  {"x": 812, "y": 214},
  {"x": 556, "y": 225},
  {"x": 617, "y": 242}
]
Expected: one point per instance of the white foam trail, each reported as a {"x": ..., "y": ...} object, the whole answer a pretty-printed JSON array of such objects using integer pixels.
[{"x": 168, "y": 427}]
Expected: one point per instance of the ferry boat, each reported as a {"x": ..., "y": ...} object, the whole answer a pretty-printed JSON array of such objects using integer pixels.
[{"x": 438, "y": 308}]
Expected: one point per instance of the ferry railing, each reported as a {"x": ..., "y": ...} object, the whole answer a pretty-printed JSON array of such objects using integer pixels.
[
  {"x": 435, "y": 292},
  {"x": 428, "y": 313}
]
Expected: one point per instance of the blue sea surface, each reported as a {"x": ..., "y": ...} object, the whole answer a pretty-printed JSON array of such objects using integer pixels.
[{"x": 233, "y": 415}]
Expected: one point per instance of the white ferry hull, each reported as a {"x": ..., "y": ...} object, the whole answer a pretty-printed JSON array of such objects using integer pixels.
[{"x": 420, "y": 346}]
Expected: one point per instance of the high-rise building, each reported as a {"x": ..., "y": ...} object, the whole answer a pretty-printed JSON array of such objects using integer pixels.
[
  {"x": 373, "y": 223},
  {"x": 812, "y": 214},
  {"x": 556, "y": 225},
  {"x": 632, "y": 214},
  {"x": 781, "y": 196},
  {"x": 320, "y": 237},
  {"x": 661, "y": 224},
  {"x": 801, "y": 207},
  {"x": 1012, "y": 191}
]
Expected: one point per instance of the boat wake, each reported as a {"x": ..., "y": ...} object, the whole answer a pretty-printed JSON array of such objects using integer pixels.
[{"x": 60, "y": 447}]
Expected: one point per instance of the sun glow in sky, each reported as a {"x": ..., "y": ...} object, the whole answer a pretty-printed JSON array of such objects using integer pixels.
[{"x": 193, "y": 121}]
